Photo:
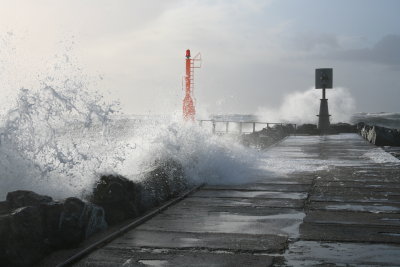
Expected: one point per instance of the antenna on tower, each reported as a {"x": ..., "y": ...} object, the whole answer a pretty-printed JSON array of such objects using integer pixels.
[{"x": 189, "y": 109}]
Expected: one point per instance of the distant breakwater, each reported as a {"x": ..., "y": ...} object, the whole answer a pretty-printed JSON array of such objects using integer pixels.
[
  {"x": 380, "y": 136},
  {"x": 267, "y": 136},
  {"x": 387, "y": 138}
]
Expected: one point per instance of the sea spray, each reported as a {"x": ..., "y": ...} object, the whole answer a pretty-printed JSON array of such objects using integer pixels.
[
  {"x": 50, "y": 133},
  {"x": 302, "y": 107},
  {"x": 60, "y": 138},
  {"x": 204, "y": 156},
  {"x": 59, "y": 135},
  {"x": 384, "y": 119},
  {"x": 72, "y": 158}
]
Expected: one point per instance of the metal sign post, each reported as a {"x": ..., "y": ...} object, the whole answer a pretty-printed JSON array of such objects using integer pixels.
[{"x": 323, "y": 80}]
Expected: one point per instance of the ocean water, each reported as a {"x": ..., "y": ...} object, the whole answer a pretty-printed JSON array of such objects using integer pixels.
[{"x": 384, "y": 119}]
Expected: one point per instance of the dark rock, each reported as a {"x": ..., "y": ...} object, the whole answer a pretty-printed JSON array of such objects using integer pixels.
[
  {"x": 379, "y": 136},
  {"x": 21, "y": 237},
  {"x": 164, "y": 180},
  {"x": 4, "y": 207},
  {"x": 365, "y": 130},
  {"x": 123, "y": 199},
  {"x": 310, "y": 129},
  {"x": 118, "y": 196},
  {"x": 382, "y": 136},
  {"x": 78, "y": 220},
  {"x": 23, "y": 198},
  {"x": 336, "y": 128},
  {"x": 51, "y": 219},
  {"x": 28, "y": 233},
  {"x": 267, "y": 136},
  {"x": 360, "y": 125},
  {"x": 343, "y": 128}
]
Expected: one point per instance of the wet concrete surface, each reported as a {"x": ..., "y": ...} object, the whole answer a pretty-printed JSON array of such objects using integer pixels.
[{"x": 342, "y": 209}]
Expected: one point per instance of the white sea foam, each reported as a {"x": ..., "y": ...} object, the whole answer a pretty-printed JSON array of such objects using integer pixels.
[
  {"x": 303, "y": 106},
  {"x": 378, "y": 155},
  {"x": 66, "y": 160},
  {"x": 59, "y": 137}
]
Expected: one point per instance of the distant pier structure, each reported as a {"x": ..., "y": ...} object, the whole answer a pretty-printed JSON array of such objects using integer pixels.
[{"x": 323, "y": 80}]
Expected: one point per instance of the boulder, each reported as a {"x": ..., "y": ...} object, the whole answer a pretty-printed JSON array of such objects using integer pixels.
[
  {"x": 360, "y": 125},
  {"x": 32, "y": 225},
  {"x": 51, "y": 213},
  {"x": 343, "y": 128},
  {"x": 118, "y": 196},
  {"x": 21, "y": 237},
  {"x": 365, "y": 130},
  {"x": 24, "y": 198},
  {"x": 4, "y": 207},
  {"x": 379, "y": 136},
  {"x": 164, "y": 180},
  {"x": 310, "y": 129},
  {"x": 78, "y": 220},
  {"x": 124, "y": 199},
  {"x": 382, "y": 136},
  {"x": 267, "y": 136}
]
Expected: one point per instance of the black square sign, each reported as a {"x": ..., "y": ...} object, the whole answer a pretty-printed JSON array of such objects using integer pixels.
[{"x": 323, "y": 78}]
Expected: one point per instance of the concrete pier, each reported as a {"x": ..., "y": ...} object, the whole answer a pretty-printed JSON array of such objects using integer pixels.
[{"x": 344, "y": 210}]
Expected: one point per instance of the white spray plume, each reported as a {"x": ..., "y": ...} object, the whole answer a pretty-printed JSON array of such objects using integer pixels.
[{"x": 302, "y": 107}]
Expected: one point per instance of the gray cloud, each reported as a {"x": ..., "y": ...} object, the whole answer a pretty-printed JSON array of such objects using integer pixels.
[
  {"x": 252, "y": 56},
  {"x": 312, "y": 41},
  {"x": 386, "y": 52}
]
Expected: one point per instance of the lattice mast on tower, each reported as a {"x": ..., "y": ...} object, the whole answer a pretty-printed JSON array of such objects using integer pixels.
[{"x": 189, "y": 109}]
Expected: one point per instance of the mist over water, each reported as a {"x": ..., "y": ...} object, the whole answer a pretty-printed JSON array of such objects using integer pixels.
[
  {"x": 302, "y": 107},
  {"x": 384, "y": 119}
]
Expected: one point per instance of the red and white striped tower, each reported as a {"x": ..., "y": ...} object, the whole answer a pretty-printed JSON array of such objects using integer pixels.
[{"x": 189, "y": 109}]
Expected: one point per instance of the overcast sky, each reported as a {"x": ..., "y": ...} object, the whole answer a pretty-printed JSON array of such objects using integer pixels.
[{"x": 255, "y": 52}]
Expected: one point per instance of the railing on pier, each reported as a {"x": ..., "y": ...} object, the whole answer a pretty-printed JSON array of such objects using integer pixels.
[{"x": 241, "y": 127}]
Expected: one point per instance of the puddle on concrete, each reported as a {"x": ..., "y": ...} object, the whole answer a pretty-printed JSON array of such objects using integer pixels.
[
  {"x": 378, "y": 155},
  {"x": 391, "y": 234},
  {"x": 288, "y": 195},
  {"x": 285, "y": 223},
  {"x": 307, "y": 154},
  {"x": 188, "y": 241},
  {"x": 391, "y": 220},
  {"x": 255, "y": 194},
  {"x": 245, "y": 218},
  {"x": 154, "y": 263},
  {"x": 368, "y": 208},
  {"x": 310, "y": 253}
]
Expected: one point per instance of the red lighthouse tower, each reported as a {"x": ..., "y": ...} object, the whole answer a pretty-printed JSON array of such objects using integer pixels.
[{"x": 189, "y": 110}]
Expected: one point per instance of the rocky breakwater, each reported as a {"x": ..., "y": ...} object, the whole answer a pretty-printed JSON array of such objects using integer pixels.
[
  {"x": 336, "y": 128},
  {"x": 33, "y": 225},
  {"x": 124, "y": 199},
  {"x": 268, "y": 136},
  {"x": 379, "y": 136}
]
